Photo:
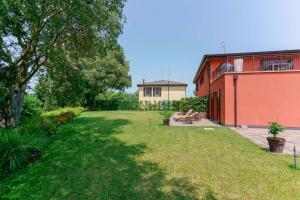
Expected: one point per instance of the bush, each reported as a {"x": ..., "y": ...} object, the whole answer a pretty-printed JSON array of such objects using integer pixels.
[
  {"x": 31, "y": 127},
  {"x": 14, "y": 154},
  {"x": 111, "y": 100},
  {"x": 32, "y": 107},
  {"x": 198, "y": 104},
  {"x": 76, "y": 110},
  {"x": 166, "y": 114},
  {"x": 48, "y": 126},
  {"x": 63, "y": 117},
  {"x": 175, "y": 105}
]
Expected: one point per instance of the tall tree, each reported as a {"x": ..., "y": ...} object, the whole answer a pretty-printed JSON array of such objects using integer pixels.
[
  {"x": 44, "y": 34},
  {"x": 72, "y": 87},
  {"x": 101, "y": 74}
]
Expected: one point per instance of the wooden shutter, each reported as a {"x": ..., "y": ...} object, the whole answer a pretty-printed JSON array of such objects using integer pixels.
[{"x": 144, "y": 91}]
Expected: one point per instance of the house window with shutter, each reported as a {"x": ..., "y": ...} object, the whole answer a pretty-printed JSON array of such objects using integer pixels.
[
  {"x": 156, "y": 91},
  {"x": 147, "y": 91}
]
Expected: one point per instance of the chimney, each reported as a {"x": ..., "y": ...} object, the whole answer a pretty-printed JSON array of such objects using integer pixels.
[{"x": 143, "y": 80}]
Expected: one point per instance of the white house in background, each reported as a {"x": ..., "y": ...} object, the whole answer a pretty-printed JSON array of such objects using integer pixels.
[{"x": 161, "y": 90}]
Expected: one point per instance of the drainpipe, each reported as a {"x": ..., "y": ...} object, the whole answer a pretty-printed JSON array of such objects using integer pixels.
[
  {"x": 209, "y": 96},
  {"x": 235, "y": 78}
]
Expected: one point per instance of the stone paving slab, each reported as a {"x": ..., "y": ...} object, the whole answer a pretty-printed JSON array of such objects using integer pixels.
[{"x": 259, "y": 136}]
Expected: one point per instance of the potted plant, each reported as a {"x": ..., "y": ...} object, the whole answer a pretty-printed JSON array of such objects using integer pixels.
[
  {"x": 166, "y": 114},
  {"x": 276, "y": 144}
]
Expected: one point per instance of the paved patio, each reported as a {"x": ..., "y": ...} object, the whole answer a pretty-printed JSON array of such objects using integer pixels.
[
  {"x": 258, "y": 136},
  {"x": 201, "y": 122}
]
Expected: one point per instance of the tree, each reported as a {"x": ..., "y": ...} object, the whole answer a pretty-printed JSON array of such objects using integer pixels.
[
  {"x": 60, "y": 89},
  {"x": 50, "y": 34},
  {"x": 101, "y": 74},
  {"x": 81, "y": 87}
]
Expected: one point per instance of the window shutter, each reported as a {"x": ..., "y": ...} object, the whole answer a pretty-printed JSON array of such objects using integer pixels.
[
  {"x": 160, "y": 91},
  {"x": 151, "y": 91},
  {"x": 144, "y": 91}
]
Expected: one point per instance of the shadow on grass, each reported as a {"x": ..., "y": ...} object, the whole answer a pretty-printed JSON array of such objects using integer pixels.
[
  {"x": 87, "y": 161},
  {"x": 292, "y": 166}
]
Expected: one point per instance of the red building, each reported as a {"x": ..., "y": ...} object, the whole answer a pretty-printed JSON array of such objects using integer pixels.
[{"x": 252, "y": 88}]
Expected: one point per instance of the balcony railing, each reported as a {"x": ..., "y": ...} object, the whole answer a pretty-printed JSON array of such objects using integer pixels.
[{"x": 257, "y": 63}]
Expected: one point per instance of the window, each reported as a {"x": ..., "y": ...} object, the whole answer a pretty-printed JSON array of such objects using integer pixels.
[
  {"x": 147, "y": 91},
  {"x": 276, "y": 64},
  {"x": 202, "y": 80},
  {"x": 156, "y": 91}
]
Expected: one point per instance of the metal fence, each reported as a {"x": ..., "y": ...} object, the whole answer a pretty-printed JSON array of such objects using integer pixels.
[{"x": 257, "y": 63}]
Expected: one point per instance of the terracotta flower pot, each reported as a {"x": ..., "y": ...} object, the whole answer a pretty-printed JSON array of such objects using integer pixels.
[
  {"x": 276, "y": 144},
  {"x": 166, "y": 122}
]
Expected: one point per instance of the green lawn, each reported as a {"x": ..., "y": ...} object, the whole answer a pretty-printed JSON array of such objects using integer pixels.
[{"x": 120, "y": 155}]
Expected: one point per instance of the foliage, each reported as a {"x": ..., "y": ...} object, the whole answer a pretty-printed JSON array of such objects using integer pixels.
[
  {"x": 60, "y": 88},
  {"x": 197, "y": 104},
  {"x": 166, "y": 114},
  {"x": 63, "y": 117},
  {"x": 275, "y": 128},
  {"x": 101, "y": 74},
  {"x": 48, "y": 125},
  {"x": 160, "y": 105},
  {"x": 73, "y": 87},
  {"x": 111, "y": 100},
  {"x": 175, "y": 105},
  {"x": 14, "y": 154},
  {"x": 31, "y": 127},
  {"x": 53, "y": 36},
  {"x": 34, "y": 131},
  {"x": 32, "y": 107},
  {"x": 77, "y": 111}
]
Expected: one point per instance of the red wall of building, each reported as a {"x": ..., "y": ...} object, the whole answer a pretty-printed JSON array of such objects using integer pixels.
[
  {"x": 203, "y": 89},
  {"x": 219, "y": 85},
  {"x": 263, "y": 97}
]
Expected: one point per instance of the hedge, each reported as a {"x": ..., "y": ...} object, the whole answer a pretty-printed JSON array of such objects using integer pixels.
[{"x": 197, "y": 104}]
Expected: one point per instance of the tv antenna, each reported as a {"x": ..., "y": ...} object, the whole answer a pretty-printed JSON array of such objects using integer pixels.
[{"x": 223, "y": 46}]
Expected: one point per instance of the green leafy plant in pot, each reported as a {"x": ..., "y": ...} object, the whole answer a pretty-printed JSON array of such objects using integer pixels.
[
  {"x": 276, "y": 144},
  {"x": 166, "y": 114}
]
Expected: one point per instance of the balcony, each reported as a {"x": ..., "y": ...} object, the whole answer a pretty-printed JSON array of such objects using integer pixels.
[{"x": 257, "y": 63}]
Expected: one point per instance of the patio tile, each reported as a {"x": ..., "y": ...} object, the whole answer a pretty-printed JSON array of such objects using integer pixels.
[{"x": 259, "y": 136}]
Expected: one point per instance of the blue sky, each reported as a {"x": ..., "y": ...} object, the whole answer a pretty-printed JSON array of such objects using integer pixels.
[{"x": 173, "y": 35}]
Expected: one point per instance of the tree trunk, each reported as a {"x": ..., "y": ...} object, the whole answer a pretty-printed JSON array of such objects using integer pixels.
[
  {"x": 90, "y": 101},
  {"x": 13, "y": 107}
]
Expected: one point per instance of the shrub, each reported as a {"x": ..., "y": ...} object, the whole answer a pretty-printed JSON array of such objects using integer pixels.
[
  {"x": 31, "y": 127},
  {"x": 63, "y": 117},
  {"x": 32, "y": 107},
  {"x": 14, "y": 154},
  {"x": 275, "y": 128},
  {"x": 48, "y": 126},
  {"x": 198, "y": 104},
  {"x": 76, "y": 110},
  {"x": 111, "y": 100},
  {"x": 175, "y": 105},
  {"x": 165, "y": 105},
  {"x": 166, "y": 114}
]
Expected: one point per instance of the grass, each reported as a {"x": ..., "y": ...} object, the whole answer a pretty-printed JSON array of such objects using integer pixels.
[{"x": 130, "y": 155}]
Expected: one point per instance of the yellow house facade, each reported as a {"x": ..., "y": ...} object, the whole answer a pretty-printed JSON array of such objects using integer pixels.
[{"x": 162, "y": 90}]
